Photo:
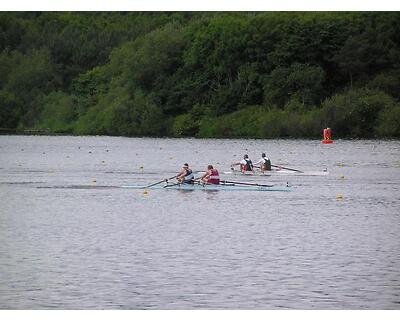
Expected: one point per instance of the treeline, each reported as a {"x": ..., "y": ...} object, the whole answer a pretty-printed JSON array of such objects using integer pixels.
[{"x": 259, "y": 75}]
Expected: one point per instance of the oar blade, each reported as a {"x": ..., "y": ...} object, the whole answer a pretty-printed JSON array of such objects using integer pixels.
[
  {"x": 161, "y": 181},
  {"x": 290, "y": 169},
  {"x": 247, "y": 183}
]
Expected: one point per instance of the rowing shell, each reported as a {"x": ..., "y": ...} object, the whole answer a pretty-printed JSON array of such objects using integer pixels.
[
  {"x": 277, "y": 172},
  {"x": 213, "y": 187}
]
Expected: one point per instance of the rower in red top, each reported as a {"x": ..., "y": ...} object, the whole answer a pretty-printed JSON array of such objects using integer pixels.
[
  {"x": 245, "y": 165},
  {"x": 211, "y": 176}
]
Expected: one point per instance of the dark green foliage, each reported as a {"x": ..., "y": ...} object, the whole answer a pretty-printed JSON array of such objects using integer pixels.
[
  {"x": 300, "y": 81},
  {"x": 356, "y": 113},
  {"x": 58, "y": 113},
  {"x": 258, "y": 122},
  {"x": 30, "y": 77},
  {"x": 263, "y": 75},
  {"x": 387, "y": 82},
  {"x": 12, "y": 31},
  {"x": 388, "y": 124}
]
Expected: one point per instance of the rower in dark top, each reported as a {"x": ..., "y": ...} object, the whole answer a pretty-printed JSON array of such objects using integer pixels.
[
  {"x": 185, "y": 175},
  {"x": 245, "y": 165},
  {"x": 264, "y": 162}
]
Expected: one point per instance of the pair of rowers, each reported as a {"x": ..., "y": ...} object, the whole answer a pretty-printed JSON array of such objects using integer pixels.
[
  {"x": 247, "y": 165},
  {"x": 186, "y": 175}
]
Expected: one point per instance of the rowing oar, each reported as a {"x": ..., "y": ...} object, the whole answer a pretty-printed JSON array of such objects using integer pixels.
[
  {"x": 154, "y": 184},
  {"x": 286, "y": 168},
  {"x": 195, "y": 181},
  {"x": 248, "y": 184}
]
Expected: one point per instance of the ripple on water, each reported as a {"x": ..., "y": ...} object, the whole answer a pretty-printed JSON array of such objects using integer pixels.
[{"x": 70, "y": 238}]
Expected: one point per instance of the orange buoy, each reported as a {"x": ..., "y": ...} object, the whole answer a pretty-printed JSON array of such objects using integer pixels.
[{"x": 327, "y": 136}]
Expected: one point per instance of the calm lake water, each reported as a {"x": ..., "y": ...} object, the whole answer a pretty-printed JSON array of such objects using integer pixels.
[{"x": 70, "y": 238}]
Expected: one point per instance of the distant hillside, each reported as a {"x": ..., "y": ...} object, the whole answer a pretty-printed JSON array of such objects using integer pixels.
[{"x": 198, "y": 74}]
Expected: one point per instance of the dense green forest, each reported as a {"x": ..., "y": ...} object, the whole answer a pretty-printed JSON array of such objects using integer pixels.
[{"x": 264, "y": 75}]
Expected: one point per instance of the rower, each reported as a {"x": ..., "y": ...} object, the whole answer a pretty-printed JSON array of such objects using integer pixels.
[
  {"x": 245, "y": 164},
  {"x": 185, "y": 175},
  {"x": 264, "y": 162},
  {"x": 211, "y": 176}
]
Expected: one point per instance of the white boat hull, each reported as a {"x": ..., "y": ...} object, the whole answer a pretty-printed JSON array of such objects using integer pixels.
[{"x": 282, "y": 172}]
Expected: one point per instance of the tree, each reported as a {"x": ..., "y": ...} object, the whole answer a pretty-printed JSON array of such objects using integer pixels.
[
  {"x": 363, "y": 53},
  {"x": 355, "y": 113},
  {"x": 58, "y": 113},
  {"x": 301, "y": 81},
  {"x": 32, "y": 76}
]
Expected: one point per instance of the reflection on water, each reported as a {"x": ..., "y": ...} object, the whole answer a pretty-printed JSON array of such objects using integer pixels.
[{"x": 70, "y": 238}]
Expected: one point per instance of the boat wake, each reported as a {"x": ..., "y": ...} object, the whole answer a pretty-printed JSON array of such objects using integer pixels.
[{"x": 78, "y": 187}]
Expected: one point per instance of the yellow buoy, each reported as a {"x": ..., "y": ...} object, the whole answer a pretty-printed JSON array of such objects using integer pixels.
[
  {"x": 341, "y": 176},
  {"x": 145, "y": 192},
  {"x": 141, "y": 167},
  {"x": 339, "y": 197},
  {"x": 94, "y": 180},
  {"x": 340, "y": 164}
]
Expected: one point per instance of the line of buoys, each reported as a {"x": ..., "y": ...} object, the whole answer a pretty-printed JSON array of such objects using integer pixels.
[{"x": 327, "y": 136}]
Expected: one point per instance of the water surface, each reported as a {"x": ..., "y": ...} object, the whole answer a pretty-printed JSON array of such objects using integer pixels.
[{"x": 70, "y": 238}]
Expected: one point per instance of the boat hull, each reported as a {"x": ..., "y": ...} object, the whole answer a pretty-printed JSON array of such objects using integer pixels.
[
  {"x": 282, "y": 172},
  {"x": 210, "y": 187}
]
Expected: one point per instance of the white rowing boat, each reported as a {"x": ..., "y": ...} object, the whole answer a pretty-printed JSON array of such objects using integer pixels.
[
  {"x": 213, "y": 187},
  {"x": 274, "y": 172}
]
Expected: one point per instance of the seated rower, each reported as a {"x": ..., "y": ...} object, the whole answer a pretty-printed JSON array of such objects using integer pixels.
[
  {"x": 211, "y": 176},
  {"x": 264, "y": 162},
  {"x": 185, "y": 175},
  {"x": 245, "y": 164}
]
